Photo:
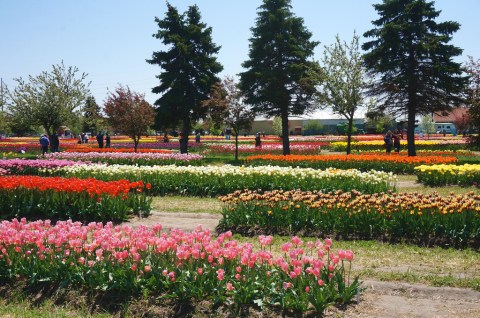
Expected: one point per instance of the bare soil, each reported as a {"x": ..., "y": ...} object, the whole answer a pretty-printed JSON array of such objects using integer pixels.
[{"x": 402, "y": 300}]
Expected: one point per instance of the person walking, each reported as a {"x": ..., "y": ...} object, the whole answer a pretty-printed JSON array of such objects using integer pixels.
[
  {"x": 197, "y": 137},
  {"x": 388, "y": 139},
  {"x": 86, "y": 138},
  {"x": 55, "y": 142},
  {"x": 44, "y": 143},
  {"x": 100, "y": 139},
  {"x": 107, "y": 140},
  {"x": 258, "y": 141},
  {"x": 397, "y": 136}
]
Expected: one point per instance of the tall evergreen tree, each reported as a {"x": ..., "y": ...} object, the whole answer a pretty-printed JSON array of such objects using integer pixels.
[
  {"x": 189, "y": 67},
  {"x": 412, "y": 62},
  {"x": 92, "y": 116},
  {"x": 277, "y": 80}
]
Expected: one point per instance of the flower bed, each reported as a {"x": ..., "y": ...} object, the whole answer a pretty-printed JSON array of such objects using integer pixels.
[
  {"x": 156, "y": 145},
  {"x": 431, "y": 219},
  {"x": 17, "y": 147},
  {"x": 441, "y": 175},
  {"x": 270, "y": 148},
  {"x": 449, "y": 144},
  {"x": 116, "y": 150},
  {"x": 215, "y": 180},
  {"x": 176, "y": 265},
  {"x": 78, "y": 199},
  {"x": 129, "y": 158},
  {"x": 28, "y": 166},
  {"x": 391, "y": 163}
]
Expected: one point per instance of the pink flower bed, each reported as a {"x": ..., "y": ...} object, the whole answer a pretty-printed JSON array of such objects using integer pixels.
[{"x": 176, "y": 264}]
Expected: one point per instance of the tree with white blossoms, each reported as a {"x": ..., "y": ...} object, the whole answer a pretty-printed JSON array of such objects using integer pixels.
[
  {"x": 343, "y": 81},
  {"x": 51, "y": 99}
]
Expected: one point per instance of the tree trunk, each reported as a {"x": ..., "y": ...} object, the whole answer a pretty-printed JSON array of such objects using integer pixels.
[
  {"x": 349, "y": 134},
  {"x": 412, "y": 103},
  {"x": 135, "y": 143},
  {"x": 285, "y": 140},
  {"x": 184, "y": 136},
  {"x": 411, "y": 129},
  {"x": 236, "y": 145}
]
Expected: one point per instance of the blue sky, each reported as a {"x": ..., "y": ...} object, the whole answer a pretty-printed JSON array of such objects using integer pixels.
[{"x": 110, "y": 39}]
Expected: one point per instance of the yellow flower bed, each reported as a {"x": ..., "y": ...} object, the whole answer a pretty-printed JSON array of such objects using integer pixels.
[{"x": 437, "y": 175}]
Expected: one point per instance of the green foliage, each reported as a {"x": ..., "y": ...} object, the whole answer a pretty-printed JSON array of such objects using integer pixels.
[
  {"x": 50, "y": 99},
  {"x": 278, "y": 80},
  {"x": 189, "y": 69},
  {"x": 4, "y": 122},
  {"x": 277, "y": 125},
  {"x": 427, "y": 125},
  {"x": 412, "y": 62},
  {"x": 313, "y": 125},
  {"x": 378, "y": 121},
  {"x": 92, "y": 117}
]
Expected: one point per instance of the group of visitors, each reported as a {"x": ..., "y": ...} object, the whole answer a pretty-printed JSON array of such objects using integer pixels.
[
  {"x": 100, "y": 140},
  {"x": 393, "y": 140},
  {"x": 83, "y": 138},
  {"x": 53, "y": 141}
]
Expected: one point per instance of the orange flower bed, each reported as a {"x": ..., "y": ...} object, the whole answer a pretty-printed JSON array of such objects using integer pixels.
[
  {"x": 91, "y": 186},
  {"x": 369, "y": 157},
  {"x": 379, "y": 162}
]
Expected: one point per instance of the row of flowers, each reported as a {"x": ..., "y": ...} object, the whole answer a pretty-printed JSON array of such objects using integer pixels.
[
  {"x": 110, "y": 150},
  {"x": 442, "y": 175},
  {"x": 450, "y": 144},
  {"x": 126, "y": 158},
  {"x": 31, "y": 166},
  {"x": 393, "y": 163},
  {"x": 429, "y": 219},
  {"x": 215, "y": 180},
  {"x": 64, "y": 198},
  {"x": 176, "y": 265},
  {"x": 272, "y": 148}
]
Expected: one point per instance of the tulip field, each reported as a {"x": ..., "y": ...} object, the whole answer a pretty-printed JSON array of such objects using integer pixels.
[
  {"x": 426, "y": 219},
  {"x": 63, "y": 217},
  {"x": 364, "y": 162}
]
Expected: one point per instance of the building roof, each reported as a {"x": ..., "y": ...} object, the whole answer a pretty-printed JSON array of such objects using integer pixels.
[{"x": 454, "y": 115}]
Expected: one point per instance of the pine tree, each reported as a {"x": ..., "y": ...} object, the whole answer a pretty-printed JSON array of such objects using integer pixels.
[
  {"x": 92, "y": 116},
  {"x": 189, "y": 67},
  {"x": 412, "y": 62},
  {"x": 277, "y": 80}
]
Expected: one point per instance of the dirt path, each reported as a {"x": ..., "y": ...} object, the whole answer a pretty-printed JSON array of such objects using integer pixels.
[
  {"x": 402, "y": 300},
  {"x": 183, "y": 221}
]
